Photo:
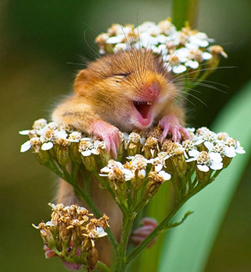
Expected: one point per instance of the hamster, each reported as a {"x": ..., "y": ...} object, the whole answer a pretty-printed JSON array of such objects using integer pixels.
[{"x": 125, "y": 91}]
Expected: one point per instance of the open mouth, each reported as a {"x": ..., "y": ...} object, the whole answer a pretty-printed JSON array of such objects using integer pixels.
[{"x": 143, "y": 111}]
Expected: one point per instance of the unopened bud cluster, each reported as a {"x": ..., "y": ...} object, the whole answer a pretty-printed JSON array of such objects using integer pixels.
[
  {"x": 185, "y": 51},
  {"x": 71, "y": 235}
]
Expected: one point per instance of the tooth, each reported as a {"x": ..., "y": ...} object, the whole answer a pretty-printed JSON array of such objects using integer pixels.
[{"x": 149, "y": 103}]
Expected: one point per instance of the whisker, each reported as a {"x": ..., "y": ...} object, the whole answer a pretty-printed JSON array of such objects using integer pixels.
[
  {"x": 205, "y": 69},
  {"x": 95, "y": 54},
  {"x": 210, "y": 87},
  {"x": 187, "y": 99},
  {"x": 198, "y": 99}
]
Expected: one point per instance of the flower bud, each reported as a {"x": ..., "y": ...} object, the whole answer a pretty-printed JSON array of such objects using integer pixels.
[
  {"x": 62, "y": 152},
  {"x": 74, "y": 153},
  {"x": 134, "y": 144},
  {"x": 89, "y": 162},
  {"x": 92, "y": 259},
  {"x": 151, "y": 148},
  {"x": 104, "y": 156},
  {"x": 213, "y": 63},
  {"x": 42, "y": 156},
  {"x": 155, "y": 180}
]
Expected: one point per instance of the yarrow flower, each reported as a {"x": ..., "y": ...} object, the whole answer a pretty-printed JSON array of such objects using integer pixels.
[
  {"x": 71, "y": 234},
  {"x": 141, "y": 156},
  {"x": 181, "y": 50},
  {"x": 206, "y": 160}
]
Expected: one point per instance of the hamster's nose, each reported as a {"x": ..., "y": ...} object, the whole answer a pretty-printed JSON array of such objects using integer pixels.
[{"x": 152, "y": 91}]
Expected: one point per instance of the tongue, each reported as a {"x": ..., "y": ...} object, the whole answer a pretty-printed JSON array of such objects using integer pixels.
[{"x": 143, "y": 109}]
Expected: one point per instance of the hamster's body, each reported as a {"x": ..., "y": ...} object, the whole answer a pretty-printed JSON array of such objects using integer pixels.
[{"x": 125, "y": 91}]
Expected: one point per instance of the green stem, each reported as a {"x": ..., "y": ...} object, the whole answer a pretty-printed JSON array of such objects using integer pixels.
[
  {"x": 165, "y": 224},
  {"x": 105, "y": 185},
  {"x": 160, "y": 228},
  {"x": 185, "y": 11},
  {"x": 53, "y": 167},
  {"x": 121, "y": 261}
]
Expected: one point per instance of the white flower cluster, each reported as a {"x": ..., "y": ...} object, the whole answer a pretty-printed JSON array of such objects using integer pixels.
[
  {"x": 44, "y": 136},
  {"x": 207, "y": 149},
  {"x": 136, "y": 168},
  {"x": 180, "y": 50}
]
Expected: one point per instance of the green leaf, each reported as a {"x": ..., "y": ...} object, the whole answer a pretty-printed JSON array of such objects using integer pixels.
[{"x": 187, "y": 247}]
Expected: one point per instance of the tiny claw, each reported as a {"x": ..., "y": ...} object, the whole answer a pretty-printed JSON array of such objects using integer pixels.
[
  {"x": 109, "y": 134},
  {"x": 149, "y": 224},
  {"x": 170, "y": 124}
]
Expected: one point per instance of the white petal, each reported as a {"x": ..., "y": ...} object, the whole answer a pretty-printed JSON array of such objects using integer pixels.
[
  {"x": 106, "y": 169},
  {"x": 142, "y": 173},
  {"x": 115, "y": 39},
  {"x": 239, "y": 149},
  {"x": 179, "y": 69},
  {"x": 208, "y": 145},
  {"x": 152, "y": 151},
  {"x": 206, "y": 56},
  {"x": 192, "y": 64},
  {"x": 86, "y": 153},
  {"x": 229, "y": 151},
  {"x": 191, "y": 46},
  {"x": 162, "y": 39},
  {"x": 203, "y": 168},
  {"x": 191, "y": 159},
  {"x": 61, "y": 134},
  {"x": 215, "y": 157},
  {"x": 95, "y": 151},
  {"x": 47, "y": 146},
  {"x": 199, "y": 141},
  {"x": 128, "y": 174},
  {"x": 158, "y": 167},
  {"x": 86, "y": 139},
  {"x": 100, "y": 232},
  {"x": 216, "y": 166},
  {"x": 164, "y": 175},
  {"x": 182, "y": 54},
  {"x": 25, "y": 146},
  {"x": 120, "y": 47},
  {"x": 24, "y": 132},
  {"x": 49, "y": 224},
  {"x": 193, "y": 153}
]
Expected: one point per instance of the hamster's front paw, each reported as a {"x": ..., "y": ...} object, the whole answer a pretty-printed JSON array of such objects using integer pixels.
[
  {"x": 109, "y": 134},
  {"x": 170, "y": 124}
]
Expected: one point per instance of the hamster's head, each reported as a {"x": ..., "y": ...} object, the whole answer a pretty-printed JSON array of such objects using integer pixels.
[{"x": 132, "y": 87}]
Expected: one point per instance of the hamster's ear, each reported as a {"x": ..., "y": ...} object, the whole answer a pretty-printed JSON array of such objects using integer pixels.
[{"x": 81, "y": 82}]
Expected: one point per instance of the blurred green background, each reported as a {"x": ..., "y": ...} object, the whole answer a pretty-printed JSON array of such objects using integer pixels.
[{"x": 43, "y": 44}]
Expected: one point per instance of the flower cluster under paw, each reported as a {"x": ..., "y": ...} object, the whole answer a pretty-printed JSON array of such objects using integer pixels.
[
  {"x": 71, "y": 235},
  {"x": 143, "y": 163}
]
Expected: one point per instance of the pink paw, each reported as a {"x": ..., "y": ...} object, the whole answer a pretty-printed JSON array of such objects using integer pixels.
[
  {"x": 109, "y": 134},
  {"x": 149, "y": 224},
  {"x": 170, "y": 124},
  {"x": 49, "y": 253}
]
